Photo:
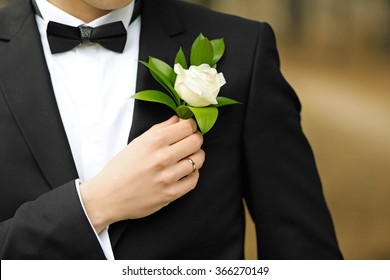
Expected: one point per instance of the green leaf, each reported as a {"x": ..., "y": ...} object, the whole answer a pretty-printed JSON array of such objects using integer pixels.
[
  {"x": 218, "y": 49},
  {"x": 184, "y": 112},
  {"x": 225, "y": 101},
  {"x": 155, "y": 96},
  {"x": 205, "y": 117},
  {"x": 201, "y": 52},
  {"x": 197, "y": 39},
  {"x": 181, "y": 59},
  {"x": 163, "y": 80},
  {"x": 163, "y": 67}
]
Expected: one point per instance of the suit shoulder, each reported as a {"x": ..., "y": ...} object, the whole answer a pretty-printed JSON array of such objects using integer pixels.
[
  {"x": 200, "y": 14},
  {"x": 216, "y": 23}
]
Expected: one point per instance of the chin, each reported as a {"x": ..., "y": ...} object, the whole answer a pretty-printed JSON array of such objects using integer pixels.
[{"x": 108, "y": 4}]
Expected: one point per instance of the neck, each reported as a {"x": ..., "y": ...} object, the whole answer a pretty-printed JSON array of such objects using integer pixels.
[{"x": 81, "y": 9}]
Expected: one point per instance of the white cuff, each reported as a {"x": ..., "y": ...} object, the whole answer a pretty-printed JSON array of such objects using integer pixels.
[{"x": 103, "y": 237}]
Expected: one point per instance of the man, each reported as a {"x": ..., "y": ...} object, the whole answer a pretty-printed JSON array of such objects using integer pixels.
[{"x": 72, "y": 189}]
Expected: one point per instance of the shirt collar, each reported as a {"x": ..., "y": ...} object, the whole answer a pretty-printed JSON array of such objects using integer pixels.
[{"x": 49, "y": 12}]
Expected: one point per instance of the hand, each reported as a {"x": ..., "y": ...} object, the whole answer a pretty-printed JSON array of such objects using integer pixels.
[{"x": 151, "y": 172}]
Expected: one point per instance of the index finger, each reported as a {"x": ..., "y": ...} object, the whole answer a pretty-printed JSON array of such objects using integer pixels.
[{"x": 178, "y": 131}]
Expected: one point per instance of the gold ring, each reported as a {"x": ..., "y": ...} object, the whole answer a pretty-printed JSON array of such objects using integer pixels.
[{"x": 193, "y": 164}]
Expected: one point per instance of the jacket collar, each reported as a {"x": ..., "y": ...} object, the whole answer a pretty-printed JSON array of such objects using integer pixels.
[
  {"x": 160, "y": 24},
  {"x": 12, "y": 18},
  {"x": 28, "y": 91}
]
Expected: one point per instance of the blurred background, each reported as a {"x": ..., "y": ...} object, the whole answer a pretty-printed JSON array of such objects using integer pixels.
[{"x": 336, "y": 55}]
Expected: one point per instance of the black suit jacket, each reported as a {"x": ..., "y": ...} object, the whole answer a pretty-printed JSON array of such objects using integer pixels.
[{"x": 256, "y": 151}]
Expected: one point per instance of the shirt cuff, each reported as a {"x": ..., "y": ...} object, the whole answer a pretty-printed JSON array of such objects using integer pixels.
[{"x": 103, "y": 237}]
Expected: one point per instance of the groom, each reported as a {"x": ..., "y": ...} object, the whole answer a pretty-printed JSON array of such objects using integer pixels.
[{"x": 87, "y": 173}]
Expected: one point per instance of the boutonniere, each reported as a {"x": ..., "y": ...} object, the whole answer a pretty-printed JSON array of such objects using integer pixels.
[{"x": 192, "y": 92}]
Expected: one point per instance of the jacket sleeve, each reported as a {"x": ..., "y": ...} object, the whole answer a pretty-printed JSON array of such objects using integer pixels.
[
  {"x": 53, "y": 226},
  {"x": 283, "y": 189}
]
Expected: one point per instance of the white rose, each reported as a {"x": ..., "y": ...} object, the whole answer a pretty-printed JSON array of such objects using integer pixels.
[{"x": 199, "y": 85}]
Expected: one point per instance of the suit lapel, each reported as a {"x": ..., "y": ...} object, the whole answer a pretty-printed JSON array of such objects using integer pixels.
[
  {"x": 160, "y": 24},
  {"x": 28, "y": 91}
]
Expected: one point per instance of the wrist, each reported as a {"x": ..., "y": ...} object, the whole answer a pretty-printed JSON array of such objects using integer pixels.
[{"x": 95, "y": 206}]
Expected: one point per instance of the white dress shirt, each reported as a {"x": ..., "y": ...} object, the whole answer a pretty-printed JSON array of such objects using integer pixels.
[{"x": 92, "y": 86}]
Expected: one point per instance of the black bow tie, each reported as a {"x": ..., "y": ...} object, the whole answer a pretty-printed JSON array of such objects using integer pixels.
[
  {"x": 62, "y": 38},
  {"x": 111, "y": 36}
]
